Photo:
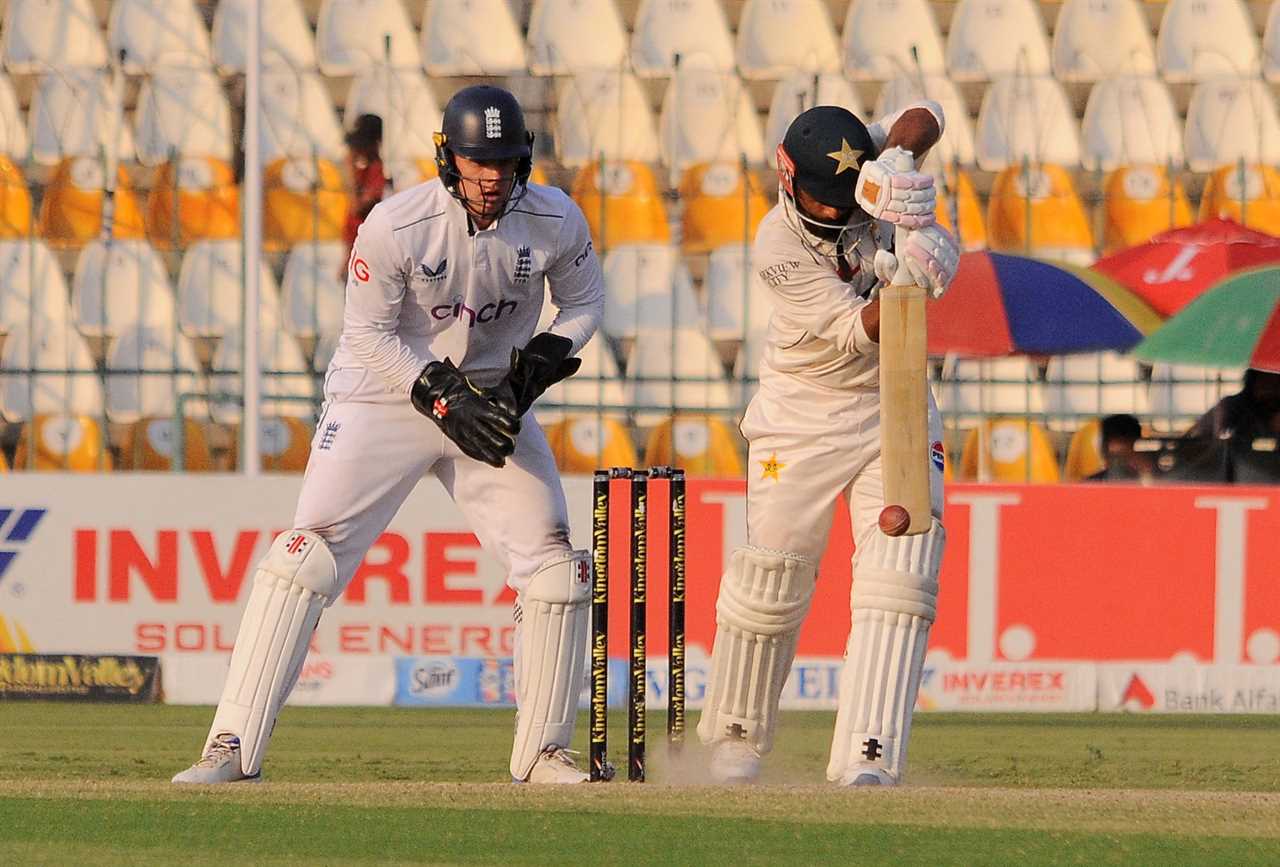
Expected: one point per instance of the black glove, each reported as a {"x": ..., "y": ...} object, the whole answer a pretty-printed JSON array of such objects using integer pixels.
[
  {"x": 542, "y": 363},
  {"x": 484, "y": 427}
]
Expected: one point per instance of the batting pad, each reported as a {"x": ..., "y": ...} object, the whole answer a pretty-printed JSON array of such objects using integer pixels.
[
  {"x": 296, "y": 581},
  {"x": 551, "y": 653},
  {"x": 764, "y": 597},
  {"x": 895, "y": 596}
]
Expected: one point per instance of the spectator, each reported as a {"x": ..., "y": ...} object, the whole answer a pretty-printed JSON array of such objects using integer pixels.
[
  {"x": 1252, "y": 412},
  {"x": 364, "y": 162},
  {"x": 1124, "y": 463}
]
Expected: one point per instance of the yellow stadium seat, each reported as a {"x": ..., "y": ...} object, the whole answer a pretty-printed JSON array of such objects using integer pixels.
[
  {"x": 71, "y": 212},
  {"x": 622, "y": 204},
  {"x": 1084, "y": 453},
  {"x": 973, "y": 229},
  {"x": 583, "y": 443},
  {"x": 1139, "y": 202},
  {"x": 702, "y": 445},
  {"x": 284, "y": 443},
  {"x": 1008, "y": 450},
  {"x": 149, "y": 445},
  {"x": 306, "y": 200},
  {"x": 195, "y": 199},
  {"x": 15, "y": 201},
  {"x": 723, "y": 204},
  {"x": 4, "y": 464},
  {"x": 1059, "y": 227},
  {"x": 63, "y": 442},
  {"x": 1251, "y": 197}
]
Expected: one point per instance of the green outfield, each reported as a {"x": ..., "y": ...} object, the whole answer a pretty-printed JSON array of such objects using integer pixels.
[{"x": 87, "y": 784}]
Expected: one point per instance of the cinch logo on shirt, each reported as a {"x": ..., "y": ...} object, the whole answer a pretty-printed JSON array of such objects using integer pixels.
[{"x": 458, "y": 310}]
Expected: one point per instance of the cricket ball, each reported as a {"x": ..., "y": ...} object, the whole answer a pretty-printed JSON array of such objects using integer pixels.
[{"x": 894, "y": 520}]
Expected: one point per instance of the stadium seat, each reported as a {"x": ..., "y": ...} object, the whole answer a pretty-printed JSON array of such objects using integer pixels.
[
  {"x": 582, "y": 443},
  {"x": 603, "y": 113},
  {"x": 285, "y": 374},
  {"x": 958, "y": 203},
  {"x": 1204, "y": 39},
  {"x": 156, "y": 33},
  {"x": 305, "y": 200},
  {"x": 151, "y": 443},
  {"x": 956, "y": 145},
  {"x": 1093, "y": 384},
  {"x": 120, "y": 285},
  {"x": 193, "y": 200},
  {"x": 991, "y": 38},
  {"x": 75, "y": 390},
  {"x": 707, "y": 115},
  {"x": 799, "y": 92},
  {"x": 1230, "y": 120},
  {"x": 622, "y": 204},
  {"x": 723, "y": 204},
  {"x": 409, "y": 111},
  {"x": 1040, "y": 199},
  {"x": 14, "y": 141},
  {"x": 884, "y": 39},
  {"x": 1139, "y": 202},
  {"x": 403, "y": 174},
  {"x": 597, "y": 385},
  {"x": 133, "y": 395},
  {"x": 284, "y": 444},
  {"x": 4, "y": 463},
  {"x": 1026, "y": 118},
  {"x": 352, "y": 35},
  {"x": 32, "y": 291},
  {"x": 1084, "y": 452},
  {"x": 1271, "y": 45},
  {"x": 72, "y": 211},
  {"x": 647, "y": 288},
  {"x": 676, "y": 370},
  {"x": 39, "y": 35},
  {"x": 182, "y": 112},
  {"x": 286, "y": 36},
  {"x": 688, "y": 28},
  {"x": 810, "y": 42},
  {"x": 566, "y": 36},
  {"x": 1008, "y": 450},
  {"x": 211, "y": 291},
  {"x": 1181, "y": 393},
  {"x": 15, "y": 201},
  {"x": 1249, "y": 195},
  {"x": 471, "y": 37},
  {"x": 62, "y": 443},
  {"x": 702, "y": 445},
  {"x": 78, "y": 113},
  {"x": 1130, "y": 120},
  {"x": 971, "y": 388},
  {"x": 1094, "y": 40},
  {"x": 312, "y": 293},
  {"x": 298, "y": 117},
  {"x": 738, "y": 302}
]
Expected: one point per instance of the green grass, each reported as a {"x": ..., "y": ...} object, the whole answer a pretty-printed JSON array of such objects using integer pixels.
[{"x": 86, "y": 784}]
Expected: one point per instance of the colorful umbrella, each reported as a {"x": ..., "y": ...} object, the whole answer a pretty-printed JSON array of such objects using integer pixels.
[
  {"x": 1176, "y": 266},
  {"x": 1007, "y": 305},
  {"x": 1234, "y": 324}
]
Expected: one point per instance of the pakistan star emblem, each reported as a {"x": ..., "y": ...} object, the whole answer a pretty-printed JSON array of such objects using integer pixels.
[
  {"x": 771, "y": 467},
  {"x": 846, "y": 157}
]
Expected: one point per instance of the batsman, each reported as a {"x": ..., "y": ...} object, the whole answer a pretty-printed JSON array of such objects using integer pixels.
[{"x": 854, "y": 219}]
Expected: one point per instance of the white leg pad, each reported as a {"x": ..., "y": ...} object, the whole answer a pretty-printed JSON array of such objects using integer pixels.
[
  {"x": 894, "y": 600},
  {"x": 294, "y": 583},
  {"x": 551, "y": 653},
  {"x": 764, "y": 597}
]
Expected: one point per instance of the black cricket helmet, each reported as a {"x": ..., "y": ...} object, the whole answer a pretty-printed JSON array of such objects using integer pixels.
[
  {"x": 484, "y": 123},
  {"x": 823, "y": 152}
]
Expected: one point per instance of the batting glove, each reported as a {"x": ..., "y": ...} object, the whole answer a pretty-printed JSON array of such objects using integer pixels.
[
  {"x": 932, "y": 257},
  {"x": 904, "y": 198}
]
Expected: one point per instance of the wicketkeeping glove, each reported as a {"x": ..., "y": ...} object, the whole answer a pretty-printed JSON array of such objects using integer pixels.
[
  {"x": 484, "y": 427},
  {"x": 542, "y": 363},
  {"x": 900, "y": 197}
]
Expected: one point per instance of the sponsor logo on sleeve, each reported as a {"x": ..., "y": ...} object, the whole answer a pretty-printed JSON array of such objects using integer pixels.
[
  {"x": 360, "y": 268},
  {"x": 776, "y": 275},
  {"x": 582, "y": 257}
]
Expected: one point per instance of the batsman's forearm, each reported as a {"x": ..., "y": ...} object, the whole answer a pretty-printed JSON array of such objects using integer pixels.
[{"x": 871, "y": 320}]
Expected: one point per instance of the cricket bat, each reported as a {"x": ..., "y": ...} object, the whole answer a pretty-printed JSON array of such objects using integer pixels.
[{"x": 904, "y": 398}]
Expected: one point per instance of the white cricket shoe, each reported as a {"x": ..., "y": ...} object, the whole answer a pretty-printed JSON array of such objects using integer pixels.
[
  {"x": 556, "y": 766},
  {"x": 734, "y": 762},
  {"x": 219, "y": 764},
  {"x": 867, "y": 775}
]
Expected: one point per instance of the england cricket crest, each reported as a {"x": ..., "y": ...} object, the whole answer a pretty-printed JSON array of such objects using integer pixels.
[
  {"x": 524, "y": 264},
  {"x": 492, "y": 122}
]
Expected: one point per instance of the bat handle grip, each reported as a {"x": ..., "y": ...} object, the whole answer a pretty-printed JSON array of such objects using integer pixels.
[{"x": 903, "y": 162}]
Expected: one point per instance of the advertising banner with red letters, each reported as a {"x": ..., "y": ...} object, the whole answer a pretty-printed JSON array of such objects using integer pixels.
[{"x": 1034, "y": 576}]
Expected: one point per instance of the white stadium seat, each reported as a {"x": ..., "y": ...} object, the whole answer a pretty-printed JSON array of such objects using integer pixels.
[
  {"x": 182, "y": 112},
  {"x": 1093, "y": 384},
  {"x": 1203, "y": 39},
  {"x": 1271, "y": 45},
  {"x": 23, "y": 396},
  {"x": 132, "y": 395},
  {"x": 707, "y": 116},
  {"x": 352, "y": 35},
  {"x": 738, "y": 303},
  {"x": 647, "y": 287},
  {"x": 799, "y": 92},
  {"x": 973, "y": 387},
  {"x": 13, "y": 129},
  {"x": 957, "y": 141},
  {"x": 1130, "y": 120},
  {"x": 74, "y": 113},
  {"x": 32, "y": 290},
  {"x": 42, "y": 34},
  {"x": 990, "y": 38},
  {"x": 1229, "y": 120},
  {"x": 809, "y": 43},
  {"x": 1094, "y": 40},
  {"x": 285, "y": 373},
  {"x": 286, "y": 36},
  {"x": 312, "y": 293},
  {"x": 689, "y": 28},
  {"x": 211, "y": 291},
  {"x": 884, "y": 39},
  {"x": 409, "y": 111},
  {"x": 1180, "y": 393},
  {"x": 598, "y": 383},
  {"x": 471, "y": 37},
  {"x": 566, "y": 36},
  {"x": 118, "y": 285},
  {"x": 604, "y": 112},
  {"x": 155, "y": 33},
  {"x": 1026, "y": 118},
  {"x": 676, "y": 370},
  {"x": 299, "y": 120}
]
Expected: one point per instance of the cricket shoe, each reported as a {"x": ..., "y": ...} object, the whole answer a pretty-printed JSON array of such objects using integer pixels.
[
  {"x": 734, "y": 762},
  {"x": 556, "y": 766},
  {"x": 867, "y": 775},
  {"x": 219, "y": 764}
]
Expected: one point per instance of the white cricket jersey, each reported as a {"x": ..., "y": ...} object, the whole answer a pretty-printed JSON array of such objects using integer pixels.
[
  {"x": 815, "y": 330},
  {"x": 422, "y": 287}
]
